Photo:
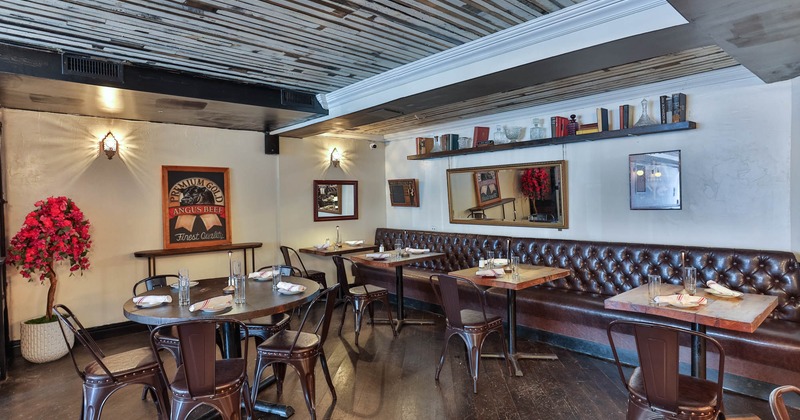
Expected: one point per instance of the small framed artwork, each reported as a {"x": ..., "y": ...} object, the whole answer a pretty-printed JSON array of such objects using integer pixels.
[
  {"x": 487, "y": 189},
  {"x": 655, "y": 180},
  {"x": 404, "y": 192},
  {"x": 196, "y": 206}
]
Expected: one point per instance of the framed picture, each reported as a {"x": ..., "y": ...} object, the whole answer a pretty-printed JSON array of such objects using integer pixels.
[
  {"x": 487, "y": 189},
  {"x": 196, "y": 206},
  {"x": 404, "y": 192},
  {"x": 655, "y": 180}
]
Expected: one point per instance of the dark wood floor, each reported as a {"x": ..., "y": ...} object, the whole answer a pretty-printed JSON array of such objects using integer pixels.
[{"x": 383, "y": 379}]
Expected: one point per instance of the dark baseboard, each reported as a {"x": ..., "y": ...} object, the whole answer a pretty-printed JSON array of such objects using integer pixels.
[{"x": 98, "y": 333}]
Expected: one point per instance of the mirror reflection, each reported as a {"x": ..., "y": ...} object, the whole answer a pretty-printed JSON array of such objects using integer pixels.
[
  {"x": 529, "y": 194},
  {"x": 335, "y": 200}
]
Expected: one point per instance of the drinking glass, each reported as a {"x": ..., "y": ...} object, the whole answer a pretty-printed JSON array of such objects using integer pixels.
[
  {"x": 183, "y": 287},
  {"x": 490, "y": 260},
  {"x": 276, "y": 276},
  {"x": 398, "y": 245},
  {"x": 690, "y": 280},
  {"x": 236, "y": 270},
  {"x": 653, "y": 287},
  {"x": 515, "y": 267},
  {"x": 239, "y": 295}
]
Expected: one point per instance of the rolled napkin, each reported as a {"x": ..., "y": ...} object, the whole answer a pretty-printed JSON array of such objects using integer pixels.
[
  {"x": 681, "y": 299},
  {"x": 151, "y": 300},
  {"x": 417, "y": 250},
  {"x": 722, "y": 290},
  {"x": 378, "y": 255},
  {"x": 214, "y": 303},
  {"x": 495, "y": 272},
  {"x": 261, "y": 275},
  {"x": 322, "y": 246},
  {"x": 354, "y": 243},
  {"x": 291, "y": 287}
]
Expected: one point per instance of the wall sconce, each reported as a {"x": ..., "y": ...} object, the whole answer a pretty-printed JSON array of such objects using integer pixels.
[
  {"x": 108, "y": 145},
  {"x": 336, "y": 157}
]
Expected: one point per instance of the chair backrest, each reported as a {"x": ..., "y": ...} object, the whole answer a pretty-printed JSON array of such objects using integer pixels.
[
  {"x": 659, "y": 357},
  {"x": 293, "y": 271},
  {"x": 197, "y": 341},
  {"x": 153, "y": 282},
  {"x": 323, "y": 325},
  {"x": 67, "y": 319},
  {"x": 447, "y": 293},
  {"x": 285, "y": 250},
  {"x": 776, "y": 403},
  {"x": 341, "y": 274}
]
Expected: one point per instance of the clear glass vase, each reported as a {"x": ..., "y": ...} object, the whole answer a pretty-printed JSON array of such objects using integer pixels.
[
  {"x": 537, "y": 132},
  {"x": 645, "y": 118}
]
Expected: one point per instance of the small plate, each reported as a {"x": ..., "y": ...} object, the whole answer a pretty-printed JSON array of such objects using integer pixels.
[
  {"x": 733, "y": 294},
  {"x": 500, "y": 262},
  {"x": 149, "y": 305},
  {"x": 684, "y": 304},
  {"x": 378, "y": 259},
  {"x": 261, "y": 279},
  {"x": 288, "y": 292},
  {"x": 216, "y": 309},
  {"x": 191, "y": 284}
]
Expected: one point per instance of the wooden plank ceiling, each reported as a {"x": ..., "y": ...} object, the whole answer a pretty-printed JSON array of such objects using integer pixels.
[{"x": 309, "y": 45}]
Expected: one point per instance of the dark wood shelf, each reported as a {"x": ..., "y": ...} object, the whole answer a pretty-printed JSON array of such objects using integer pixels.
[
  {"x": 153, "y": 254},
  {"x": 603, "y": 135}
]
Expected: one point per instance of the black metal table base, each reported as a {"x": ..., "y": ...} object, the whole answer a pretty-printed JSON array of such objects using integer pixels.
[{"x": 698, "y": 352}]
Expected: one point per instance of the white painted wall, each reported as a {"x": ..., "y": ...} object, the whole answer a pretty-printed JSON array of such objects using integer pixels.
[
  {"x": 735, "y": 168},
  {"x": 795, "y": 169}
]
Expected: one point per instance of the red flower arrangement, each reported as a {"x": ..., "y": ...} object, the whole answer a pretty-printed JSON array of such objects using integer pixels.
[
  {"x": 56, "y": 230},
  {"x": 535, "y": 184}
]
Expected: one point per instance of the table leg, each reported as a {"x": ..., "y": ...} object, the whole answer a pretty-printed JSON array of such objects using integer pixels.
[
  {"x": 512, "y": 339},
  {"x": 401, "y": 313},
  {"x": 698, "y": 352}
]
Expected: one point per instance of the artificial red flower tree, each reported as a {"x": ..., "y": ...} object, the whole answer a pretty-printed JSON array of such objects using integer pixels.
[{"x": 535, "y": 184}]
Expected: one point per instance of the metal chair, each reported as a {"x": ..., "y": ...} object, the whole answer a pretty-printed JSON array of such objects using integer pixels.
[
  {"x": 776, "y": 403},
  {"x": 202, "y": 378},
  {"x": 317, "y": 276},
  {"x": 360, "y": 294},
  {"x": 656, "y": 388},
  {"x": 472, "y": 326},
  {"x": 300, "y": 350},
  {"x": 108, "y": 373}
]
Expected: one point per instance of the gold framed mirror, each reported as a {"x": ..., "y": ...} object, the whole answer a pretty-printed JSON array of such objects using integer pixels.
[
  {"x": 335, "y": 200},
  {"x": 527, "y": 194}
]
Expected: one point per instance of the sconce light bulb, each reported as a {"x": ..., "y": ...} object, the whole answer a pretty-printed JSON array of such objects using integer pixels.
[
  {"x": 640, "y": 172},
  {"x": 109, "y": 145},
  {"x": 336, "y": 156}
]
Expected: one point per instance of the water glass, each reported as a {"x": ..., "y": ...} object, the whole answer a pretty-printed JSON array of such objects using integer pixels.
[
  {"x": 276, "y": 276},
  {"x": 653, "y": 287},
  {"x": 236, "y": 271},
  {"x": 515, "y": 267},
  {"x": 398, "y": 245},
  {"x": 183, "y": 287},
  {"x": 239, "y": 289},
  {"x": 690, "y": 280},
  {"x": 490, "y": 260}
]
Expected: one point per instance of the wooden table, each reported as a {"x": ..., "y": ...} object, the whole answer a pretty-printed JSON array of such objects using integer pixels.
[
  {"x": 261, "y": 301},
  {"x": 474, "y": 211},
  {"x": 397, "y": 264},
  {"x": 529, "y": 276},
  {"x": 152, "y": 254},
  {"x": 744, "y": 314},
  {"x": 345, "y": 249}
]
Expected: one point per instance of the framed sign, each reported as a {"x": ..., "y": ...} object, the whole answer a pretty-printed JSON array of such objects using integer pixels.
[
  {"x": 486, "y": 188},
  {"x": 404, "y": 192},
  {"x": 195, "y": 206},
  {"x": 655, "y": 180}
]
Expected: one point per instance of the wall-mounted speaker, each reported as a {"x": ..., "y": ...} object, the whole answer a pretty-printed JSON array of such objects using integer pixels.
[{"x": 271, "y": 144}]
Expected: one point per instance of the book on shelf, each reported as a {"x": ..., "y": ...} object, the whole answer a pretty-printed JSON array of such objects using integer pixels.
[
  {"x": 678, "y": 107},
  {"x": 588, "y": 128},
  {"x": 424, "y": 145},
  {"x": 558, "y": 126},
  {"x": 450, "y": 141},
  {"x": 624, "y": 116},
  {"x": 665, "y": 106},
  {"x": 480, "y": 137},
  {"x": 603, "y": 120}
]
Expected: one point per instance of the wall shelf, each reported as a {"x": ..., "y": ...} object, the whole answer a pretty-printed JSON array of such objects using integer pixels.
[{"x": 604, "y": 135}]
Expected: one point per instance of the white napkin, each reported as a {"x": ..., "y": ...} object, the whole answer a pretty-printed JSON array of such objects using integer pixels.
[
  {"x": 322, "y": 246},
  {"x": 681, "y": 299},
  {"x": 213, "y": 303},
  {"x": 354, "y": 243},
  {"x": 722, "y": 289},
  {"x": 377, "y": 255},
  {"x": 417, "y": 250},
  {"x": 291, "y": 287},
  {"x": 261, "y": 275},
  {"x": 150, "y": 300},
  {"x": 496, "y": 272}
]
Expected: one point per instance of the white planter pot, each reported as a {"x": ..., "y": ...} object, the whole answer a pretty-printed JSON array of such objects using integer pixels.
[{"x": 41, "y": 343}]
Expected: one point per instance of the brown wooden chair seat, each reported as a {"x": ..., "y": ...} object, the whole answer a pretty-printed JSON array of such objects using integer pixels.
[
  {"x": 317, "y": 276},
  {"x": 107, "y": 373},
  {"x": 471, "y": 325},
  {"x": 300, "y": 350},
  {"x": 656, "y": 387},
  {"x": 360, "y": 294}
]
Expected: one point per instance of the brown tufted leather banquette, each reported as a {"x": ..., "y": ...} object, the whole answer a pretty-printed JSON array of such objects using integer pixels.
[{"x": 573, "y": 306}]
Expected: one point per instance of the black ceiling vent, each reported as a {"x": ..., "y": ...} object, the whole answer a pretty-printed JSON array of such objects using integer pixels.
[
  {"x": 91, "y": 67},
  {"x": 289, "y": 97}
]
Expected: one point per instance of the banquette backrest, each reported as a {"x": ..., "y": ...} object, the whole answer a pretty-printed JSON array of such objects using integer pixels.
[{"x": 607, "y": 268}]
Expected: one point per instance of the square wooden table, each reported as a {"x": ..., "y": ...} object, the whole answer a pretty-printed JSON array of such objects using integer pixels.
[
  {"x": 397, "y": 263},
  {"x": 744, "y": 314},
  {"x": 344, "y": 249},
  {"x": 529, "y": 275}
]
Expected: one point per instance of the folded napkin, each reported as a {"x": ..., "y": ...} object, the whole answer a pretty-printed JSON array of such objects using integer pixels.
[
  {"x": 354, "y": 243},
  {"x": 322, "y": 246},
  {"x": 722, "y": 289},
  {"x": 496, "y": 272},
  {"x": 291, "y": 287},
  {"x": 681, "y": 299},
  {"x": 151, "y": 300},
  {"x": 417, "y": 250},
  {"x": 261, "y": 275},
  {"x": 213, "y": 303},
  {"x": 377, "y": 255}
]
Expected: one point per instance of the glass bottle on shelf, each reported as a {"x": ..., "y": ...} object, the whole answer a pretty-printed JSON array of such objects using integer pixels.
[
  {"x": 499, "y": 135},
  {"x": 645, "y": 118},
  {"x": 437, "y": 145},
  {"x": 538, "y": 132}
]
